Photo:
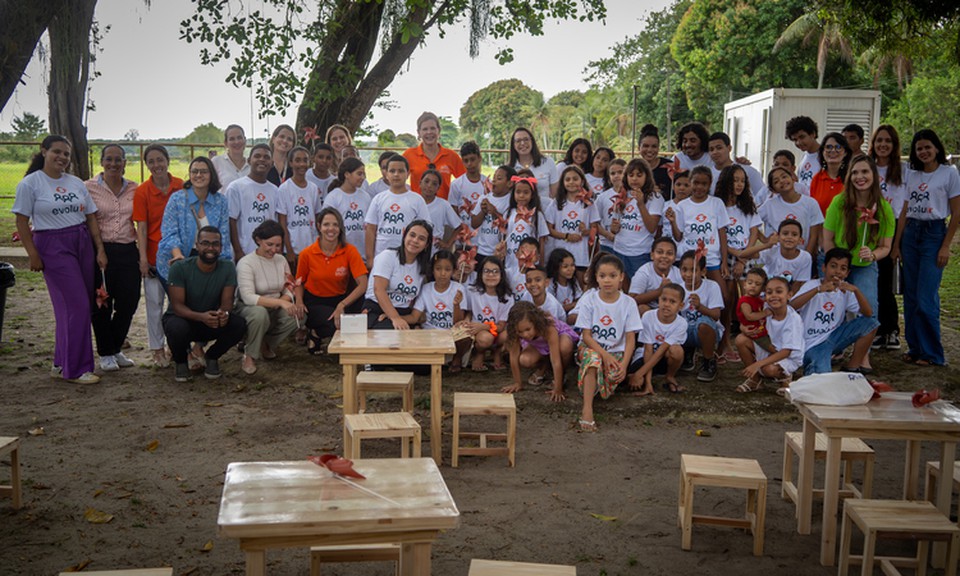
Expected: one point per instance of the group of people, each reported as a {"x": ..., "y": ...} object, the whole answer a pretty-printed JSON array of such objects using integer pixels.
[{"x": 628, "y": 268}]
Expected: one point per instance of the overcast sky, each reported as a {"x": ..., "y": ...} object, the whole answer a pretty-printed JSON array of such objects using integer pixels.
[{"x": 152, "y": 82}]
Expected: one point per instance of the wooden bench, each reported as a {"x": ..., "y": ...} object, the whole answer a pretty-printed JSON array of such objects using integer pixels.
[
  {"x": 11, "y": 445},
  {"x": 476, "y": 403},
  {"x": 722, "y": 472},
  {"x": 851, "y": 450},
  {"x": 400, "y": 425},
  {"x": 354, "y": 553},
  {"x": 130, "y": 572},
  {"x": 385, "y": 382},
  {"x": 900, "y": 520},
  {"x": 496, "y": 568}
]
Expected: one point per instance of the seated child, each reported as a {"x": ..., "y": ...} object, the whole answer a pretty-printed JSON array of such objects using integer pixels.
[
  {"x": 660, "y": 344},
  {"x": 654, "y": 275},
  {"x": 701, "y": 309},
  {"x": 750, "y": 309},
  {"x": 537, "y": 340},
  {"x": 562, "y": 272},
  {"x": 781, "y": 255},
  {"x": 823, "y": 305},
  {"x": 536, "y": 293},
  {"x": 440, "y": 300},
  {"x": 528, "y": 255},
  {"x": 609, "y": 321},
  {"x": 488, "y": 301},
  {"x": 786, "y": 335}
]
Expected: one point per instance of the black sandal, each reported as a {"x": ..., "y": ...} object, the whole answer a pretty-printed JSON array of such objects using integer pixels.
[{"x": 313, "y": 343}]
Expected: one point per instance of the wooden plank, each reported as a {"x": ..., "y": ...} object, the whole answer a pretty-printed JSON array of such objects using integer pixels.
[{"x": 480, "y": 567}]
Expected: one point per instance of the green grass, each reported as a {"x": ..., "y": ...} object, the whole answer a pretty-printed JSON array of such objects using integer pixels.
[{"x": 950, "y": 288}]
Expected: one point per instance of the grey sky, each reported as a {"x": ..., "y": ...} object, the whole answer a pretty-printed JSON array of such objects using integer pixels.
[{"x": 153, "y": 82}]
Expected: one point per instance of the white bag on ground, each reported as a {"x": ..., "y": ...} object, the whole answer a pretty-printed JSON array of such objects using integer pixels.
[{"x": 832, "y": 389}]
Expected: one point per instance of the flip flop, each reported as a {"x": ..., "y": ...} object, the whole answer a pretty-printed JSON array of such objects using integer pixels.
[
  {"x": 482, "y": 368},
  {"x": 675, "y": 388},
  {"x": 587, "y": 425},
  {"x": 749, "y": 386}
]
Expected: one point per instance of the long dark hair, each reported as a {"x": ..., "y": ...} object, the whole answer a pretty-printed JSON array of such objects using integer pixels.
[
  {"x": 724, "y": 189},
  {"x": 214, "y": 186},
  {"x": 697, "y": 128},
  {"x": 640, "y": 164},
  {"x": 438, "y": 256},
  {"x": 423, "y": 258},
  {"x": 925, "y": 134},
  {"x": 562, "y": 194},
  {"x": 851, "y": 215},
  {"x": 529, "y": 311},
  {"x": 36, "y": 163},
  {"x": 894, "y": 167},
  {"x": 534, "y": 149},
  {"x": 503, "y": 287},
  {"x": 534, "y": 197},
  {"x": 587, "y": 165},
  {"x": 347, "y": 165},
  {"x": 553, "y": 271}
]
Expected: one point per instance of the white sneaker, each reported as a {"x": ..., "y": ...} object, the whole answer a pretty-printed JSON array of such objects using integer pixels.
[
  {"x": 109, "y": 363},
  {"x": 123, "y": 361},
  {"x": 56, "y": 372},
  {"x": 87, "y": 378}
]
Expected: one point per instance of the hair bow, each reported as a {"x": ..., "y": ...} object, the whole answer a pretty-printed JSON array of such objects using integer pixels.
[{"x": 528, "y": 179}]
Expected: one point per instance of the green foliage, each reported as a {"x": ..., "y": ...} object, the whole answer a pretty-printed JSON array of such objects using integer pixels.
[
  {"x": 492, "y": 113},
  {"x": 29, "y": 127},
  {"x": 449, "y": 133},
  {"x": 930, "y": 101},
  {"x": 204, "y": 134}
]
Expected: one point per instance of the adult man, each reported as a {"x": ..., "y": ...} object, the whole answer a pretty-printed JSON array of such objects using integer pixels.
[
  {"x": 720, "y": 149},
  {"x": 201, "y": 290},
  {"x": 854, "y": 135},
  {"x": 253, "y": 201}
]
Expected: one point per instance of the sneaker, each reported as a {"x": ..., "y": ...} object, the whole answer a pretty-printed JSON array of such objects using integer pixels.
[
  {"x": 123, "y": 361},
  {"x": 878, "y": 342},
  {"x": 86, "y": 378},
  {"x": 708, "y": 371},
  {"x": 182, "y": 373},
  {"x": 108, "y": 363},
  {"x": 893, "y": 342},
  {"x": 56, "y": 372},
  {"x": 688, "y": 363},
  {"x": 212, "y": 371}
]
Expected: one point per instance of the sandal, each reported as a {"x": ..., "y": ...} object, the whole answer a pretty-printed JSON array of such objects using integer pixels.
[
  {"x": 749, "y": 385},
  {"x": 536, "y": 379},
  {"x": 313, "y": 343},
  {"x": 731, "y": 356},
  {"x": 675, "y": 388},
  {"x": 587, "y": 425},
  {"x": 782, "y": 391},
  {"x": 481, "y": 368}
]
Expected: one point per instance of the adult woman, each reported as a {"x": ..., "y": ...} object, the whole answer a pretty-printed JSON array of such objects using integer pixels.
[
  {"x": 430, "y": 155},
  {"x": 525, "y": 155},
  {"x": 281, "y": 142},
  {"x": 61, "y": 244},
  {"x": 834, "y": 157},
  {"x": 232, "y": 165},
  {"x": 693, "y": 143},
  {"x": 649, "y": 144},
  {"x": 338, "y": 137},
  {"x": 932, "y": 194},
  {"x": 149, "y": 202},
  {"x": 265, "y": 301},
  {"x": 113, "y": 195},
  {"x": 398, "y": 274},
  {"x": 324, "y": 274}
]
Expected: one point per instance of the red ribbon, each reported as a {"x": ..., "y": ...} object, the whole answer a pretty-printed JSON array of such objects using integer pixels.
[{"x": 528, "y": 179}]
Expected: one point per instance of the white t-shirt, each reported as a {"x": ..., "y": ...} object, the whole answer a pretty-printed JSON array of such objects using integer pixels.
[
  {"x": 300, "y": 206},
  {"x": 517, "y": 230},
  {"x": 462, "y": 188},
  {"x": 703, "y": 220},
  {"x": 604, "y": 205},
  {"x": 546, "y": 174},
  {"x": 647, "y": 278},
  {"x": 251, "y": 204},
  {"x": 688, "y": 163},
  {"x": 928, "y": 194},
  {"x": 322, "y": 184},
  {"x": 488, "y": 235},
  {"x": 656, "y": 332},
  {"x": 634, "y": 239},
  {"x": 806, "y": 211},
  {"x": 569, "y": 220},
  {"x": 486, "y": 307},
  {"x": 710, "y": 297},
  {"x": 824, "y": 312},
  {"x": 441, "y": 216},
  {"x": 667, "y": 228},
  {"x": 391, "y": 214},
  {"x": 895, "y": 195},
  {"x": 807, "y": 169},
  {"x": 795, "y": 270},
  {"x": 595, "y": 183},
  {"x": 227, "y": 171},
  {"x": 438, "y": 306},
  {"x": 787, "y": 334},
  {"x": 403, "y": 280},
  {"x": 353, "y": 208},
  {"x": 609, "y": 323},
  {"x": 550, "y": 305},
  {"x": 517, "y": 283},
  {"x": 53, "y": 203},
  {"x": 376, "y": 188},
  {"x": 564, "y": 294},
  {"x": 738, "y": 230}
]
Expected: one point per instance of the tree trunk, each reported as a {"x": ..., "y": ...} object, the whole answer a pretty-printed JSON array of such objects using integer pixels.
[
  {"x": 22, "y": 23},
  {"x": 70, "y": 56}
]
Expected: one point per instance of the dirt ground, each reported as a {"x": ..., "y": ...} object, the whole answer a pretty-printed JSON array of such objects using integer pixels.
[{"x": 152, "y": 453}]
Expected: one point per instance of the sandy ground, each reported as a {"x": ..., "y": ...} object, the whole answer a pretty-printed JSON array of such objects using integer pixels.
[{"x": 152, "y": 453}]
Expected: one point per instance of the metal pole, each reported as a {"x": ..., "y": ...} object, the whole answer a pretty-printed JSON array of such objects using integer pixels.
[
  {"x": 633, "y": 136},
  {"x": 669, "y": 128}
]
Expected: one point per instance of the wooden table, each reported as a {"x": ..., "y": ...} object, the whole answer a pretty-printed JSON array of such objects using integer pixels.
[
  {"x": 299, "y": 504},
  {"x": 891, "y": 417},
  {"x": 406, "y": 347}
]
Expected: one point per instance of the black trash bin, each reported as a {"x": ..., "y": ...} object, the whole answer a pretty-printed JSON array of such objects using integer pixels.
[{"x": 7, "y": 279}]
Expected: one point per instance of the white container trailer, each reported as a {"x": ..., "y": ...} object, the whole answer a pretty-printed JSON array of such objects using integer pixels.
[{"x": 757, "y": 124}]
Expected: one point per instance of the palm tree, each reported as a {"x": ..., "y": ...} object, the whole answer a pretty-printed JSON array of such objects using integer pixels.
[
  {"x": 538, "y": 111},
  {"x": 810, "y": 25}
]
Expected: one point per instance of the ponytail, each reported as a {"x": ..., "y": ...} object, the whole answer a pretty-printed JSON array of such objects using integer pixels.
[{"x": 36, "y": 163}]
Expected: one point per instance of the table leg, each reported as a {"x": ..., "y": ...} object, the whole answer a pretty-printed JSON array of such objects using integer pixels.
[
  {"x": 944, "y": 495},
  {"x": 805, "y": 479},
  {"x": 256, "y": 563},
  {"x": 349, "y": 388},
  {"x": 436, "y": 414},
  {"x": 831, "y": 499},
  {"x": 415, "y": 559},
  {"x": 911, "y": 470}
]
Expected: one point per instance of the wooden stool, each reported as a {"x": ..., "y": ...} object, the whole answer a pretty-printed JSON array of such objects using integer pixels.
[
  {"x": 722, "y": 472},
  {"x": 473, "y": 403},
  {"x": 851, "y": 450},
  {"x": 354, "y": 553},
  {"x": 933, "y": 476},
  {"x": 901, "y": 520},
  {"x": 385, "y": 382},
  {"x": 494, "y": 568},
  {"x": 11, "y": 445},
  {"x": 130, "y": 572},
  {"x": 386, "y": 425}
]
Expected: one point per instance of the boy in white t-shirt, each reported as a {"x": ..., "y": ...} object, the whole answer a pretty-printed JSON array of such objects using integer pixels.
[
  {"x": 390, "y": 213},
  {"x": 443, "y": 218},
  {"x": 536, "y": 293},
  {"x": 802, "y": 131},
  {"x": 781, "y": 255},
  {"x": 468, "y": 188},
  {"x": 252, "y": 200},
  {"x": 647, "y": 283},
  {"x": 320, "y": 174},
  {"x": 660, "y": 344},
  {"x": 381, "y": 185},
  {"x": 786, "y": 334}
]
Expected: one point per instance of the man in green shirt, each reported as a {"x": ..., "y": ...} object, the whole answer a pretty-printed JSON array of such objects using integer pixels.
[{"x": 201, "y": 290}]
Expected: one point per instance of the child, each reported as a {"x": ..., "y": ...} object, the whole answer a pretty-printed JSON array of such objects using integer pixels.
[
  {"x": 705, "y": 218},
  {"x": 823, "y": 305},
  {"x": 721, "y": 153},
  {"x": 490, "y": 208},
  {"x": 701, "y": 309},
  {"x": 320, "y": 174},
  {"x": 786, "y": 203},
  {"x": 561, "y": 270},
  {"x": 297, "y": 207},
  {"x": 390, "y": 212},
  {"x": 440, "y": 302},
  {"x": 524, "y": 217},
  {"x": 785, "y": 159},
  {"x": 802, "y": 131},
  {"x": 786, "y": 335},
  {"x": 443, "y": 217},
  {"x": 781, "y": 255},
  {"x": 750, "y": 310},
  {"x": 597, "y": 180},
  {"x": 647, "y": 283},
  {"x": 608, "y": 210},
  {"x": 572, "y": 217},
  {"x": 660, "y": 344},
  {"x": 579, "y": 154},
  {"x": 640, "y": 218},
  {"x": 467, "y": 189},
  {"x": 536, "y": 340},
  {"x": 536, "y": 293},
  {"x": 381, "y": 185},
  {"x": 528, "y": 255},
  {"x": 609, "y": 321},
  {"x": 351, "y": 202},
  {"x": 671, "y": 210},
  {"x": 489, "y": 301}
]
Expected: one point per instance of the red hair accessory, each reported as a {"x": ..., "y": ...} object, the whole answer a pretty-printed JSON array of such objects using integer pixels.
[
  {"x": 528, "y": 179},
  {"x": 493, "y": 327}
]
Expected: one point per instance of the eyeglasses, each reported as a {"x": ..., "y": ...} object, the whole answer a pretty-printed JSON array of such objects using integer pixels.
[
  {"x": 209, "y": 244},
  {"x": 197, "y": 172},
  {"x": 521, "y": 140},
  {"x": 833, "y": 147},
  {"x": 491, "y": 271}
]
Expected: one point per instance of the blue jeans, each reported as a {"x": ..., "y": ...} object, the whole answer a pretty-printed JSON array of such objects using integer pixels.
[
  {"x": 816, "y": 360},
  {"x": 632, "y": 263},
  {"x": 865, "y": 278},
  {"x": 919, "y": 246},
  {"x": 693, "y": 331}
]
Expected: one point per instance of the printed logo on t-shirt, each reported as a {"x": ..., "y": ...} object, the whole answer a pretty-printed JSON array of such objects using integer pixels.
[
  {"x": 734, "y": 229},
  {"x": 395, "y": 208},
  {"x": 60, "y": 196},
  {"x": 806, "y": 171},
  {"x": 704, "y": 227},
  {"x": 440, "y": 306},
  {"x": 261, "y": 205},
  {"x": 408, "y": 279},
  {"x": 487, "y": 311},
  {"x": 341, "y": 272},
  {"x": 607, "y": 332},
  {"x": 791, "y": 217}
]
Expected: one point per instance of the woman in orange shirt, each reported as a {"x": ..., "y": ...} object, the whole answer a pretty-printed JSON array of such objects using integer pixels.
[
  {"x": 325, "y": 271},
  {"x": 430, "y": 155},
  {"x": 834, "y": 159}
]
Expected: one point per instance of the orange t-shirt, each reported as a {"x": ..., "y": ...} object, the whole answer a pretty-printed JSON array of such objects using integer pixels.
[
  {"x": 447, "y": 163},
  {"x": 326, "y": 276},
  {"x": 823, "y": 189},
  {"x": 148, "y": 206}
]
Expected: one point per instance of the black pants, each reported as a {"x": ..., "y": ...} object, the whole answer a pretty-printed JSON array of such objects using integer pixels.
[
  {"x": 111, "y": 323},
  {"x": 889, "y": 313},
  {"x": 320, "y": 308},
  {"x": 181, "y": 333},
  {"x": 373, "y": 314}
]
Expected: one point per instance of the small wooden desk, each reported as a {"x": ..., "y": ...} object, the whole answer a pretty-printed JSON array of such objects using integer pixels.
[
  {"x": 299, "y": 504},
  {"x": 891, "y": 417},
  {"x": 405, "y": 347}
]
